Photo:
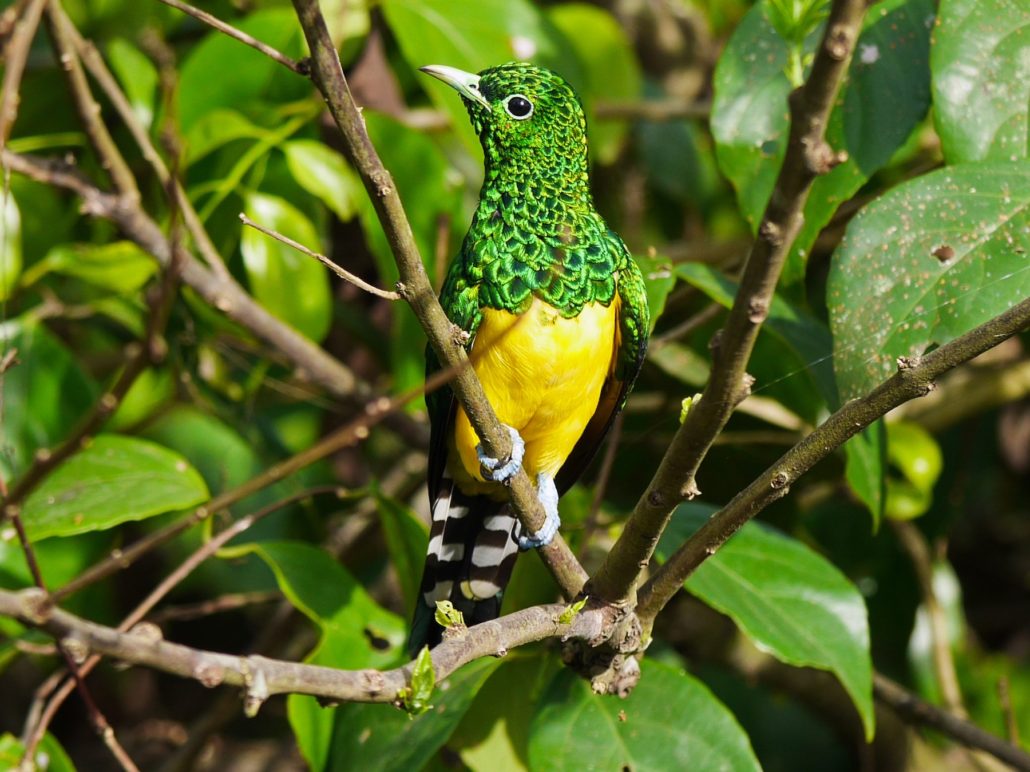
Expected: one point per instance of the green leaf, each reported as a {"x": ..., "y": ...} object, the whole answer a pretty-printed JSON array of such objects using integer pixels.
[
  {"x": 886, "y": 96},
  {"x": 112, "y": 480},
  {"x": 291, "y": 285},
  {"x": 355, "y": 631},
  {"x": 44, "y": 395},
  {"x": 658, "y": 282},
  {"x": 138, "y": 77},
  {"x": 323, "y": 173},
  {"x": 790, "y": 601},
  {"x": 120, "y": 266},
  {"x": 415, "y": 698},
  {"x": 216, "y": 128},
  {"x": 915, "y": 454},
  {"x": 865, "y": 468},
  {"x": 10, "y": 245},
  {"x": 669, "y": 721},
  {"x": 222, "y": 73},
  {"x": 473, "y": 35},
  {"x": 609, "y": 65},
  {"x": 926, "y": 262},
  {"x": 981, "y": 79},
  {"x": 447, "y": 616},
  {"x": 379, "y": 737},
  {"x": 50, "y": 756},
  {"x": 407, "y": 540}
]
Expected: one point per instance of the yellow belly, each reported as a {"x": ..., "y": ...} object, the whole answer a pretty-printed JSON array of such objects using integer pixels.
[{"x": 543, "y": 375}]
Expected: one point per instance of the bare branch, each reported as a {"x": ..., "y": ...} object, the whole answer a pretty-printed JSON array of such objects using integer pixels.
[
  {"x": 15, "y": 55},
  {"x": 807, "y": 156},
  {"x": 344, "y": 274},
  {"x": 298, "y": 67}
]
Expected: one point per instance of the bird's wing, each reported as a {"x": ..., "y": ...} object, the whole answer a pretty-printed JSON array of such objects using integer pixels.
[{"x": 628, "y": 356}]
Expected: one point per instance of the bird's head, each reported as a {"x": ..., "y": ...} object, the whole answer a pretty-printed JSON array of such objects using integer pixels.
[{"x": 523, "y": 114}]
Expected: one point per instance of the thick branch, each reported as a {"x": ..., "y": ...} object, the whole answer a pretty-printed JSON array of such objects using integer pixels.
[
  {"x": 416, "y": 289},
  {"x": 913, "y": 379},
  {"x": 263, "y": 677},
  {"x": 807, "y": 156}
]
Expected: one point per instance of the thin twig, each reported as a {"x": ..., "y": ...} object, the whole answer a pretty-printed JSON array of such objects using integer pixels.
[
  {"x": 15, "y": 56},
  {"x": 601, "y": 485},
  {"x": 219, "y": 605},
  {"x": 298, "y": 67},
  {"x": 807, "y": 156},
  {"x": 916, "y": 711},
  {"x": 341, "y": 272},
  {"x": 915, "y": 377}
]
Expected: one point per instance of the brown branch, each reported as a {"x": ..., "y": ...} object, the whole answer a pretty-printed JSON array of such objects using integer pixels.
[
  {"x": 914, "y": 378},
  {"x": 916, "y": 711},
  {"x": 416, "y": 289},
  {"x": 262, "y": 677},
  {"x": 212, "y": 21},
  {"x": 807, "y": 156},
  {"x": 343, "y": 273},
  {"x": 15, "y": 55}
]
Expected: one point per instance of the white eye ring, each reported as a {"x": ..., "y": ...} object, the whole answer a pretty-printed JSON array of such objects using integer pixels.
[{"x": 524, "y": 98}]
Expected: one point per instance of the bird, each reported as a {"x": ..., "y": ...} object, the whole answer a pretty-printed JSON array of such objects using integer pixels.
[{"x": 556, "y": 315}]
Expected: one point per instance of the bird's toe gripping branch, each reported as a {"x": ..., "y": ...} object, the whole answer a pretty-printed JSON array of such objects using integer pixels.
[
  {"x": 548, "y": 496},
  {"x": 492, "y": 467}
]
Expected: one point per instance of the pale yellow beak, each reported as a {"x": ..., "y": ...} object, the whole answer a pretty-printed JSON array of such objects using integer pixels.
[{"x": 465, "y": 83}]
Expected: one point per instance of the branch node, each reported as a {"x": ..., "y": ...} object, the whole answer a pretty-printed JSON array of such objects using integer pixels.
[
  {"x": 689, "y": 490},
  {"x": 36, "y": 605},
  {"x": 147, "y": 632},
  {"x": 76, "y": 648},
  {"x": 757, "y": 310},
  {"x": 656, "y": 498},
  {"x": 372, "y": 681},
  {"x": 459, "y": 337},
  {"x": 838, "y": 42},
  {"x": 210, "y": 674},
  {"x": 908, "y": 363},
  {"x": 772, "y": 233},
  {"x": 257, "y": 686},
  {"x": 383, "y": 183},
  {"x": 779, "y": 480},
  {"x": 820, "y": 158}
]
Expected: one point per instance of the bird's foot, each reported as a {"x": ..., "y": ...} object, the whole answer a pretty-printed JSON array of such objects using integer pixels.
[
  {"x": 492, "y": 467},
  {"x": 548, "y": 496}
]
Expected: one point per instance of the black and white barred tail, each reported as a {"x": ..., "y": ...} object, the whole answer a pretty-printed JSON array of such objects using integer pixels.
[{"x": 472, "y": 550}]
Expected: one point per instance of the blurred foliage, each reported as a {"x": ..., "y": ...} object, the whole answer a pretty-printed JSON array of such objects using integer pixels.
[{"x": 921, "y": 234}]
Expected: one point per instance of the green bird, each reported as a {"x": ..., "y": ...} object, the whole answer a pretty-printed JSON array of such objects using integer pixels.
[{"x": 556, "y": 313}]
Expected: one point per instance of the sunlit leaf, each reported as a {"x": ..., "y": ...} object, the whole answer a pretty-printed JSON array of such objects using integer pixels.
[
  {"x": 322, "y": 172},
  {"x": 120, "y": 266},
  {"x": 112, "y": 480},
  {"x": 981, "y": 79},
  {"x": 10, "y": 245},
  {"x": 138, "y": 77},
  {"x": 669, "y": 721},
  {"x": 789, "y": 600},
  {"x": 926, "y": 262}
]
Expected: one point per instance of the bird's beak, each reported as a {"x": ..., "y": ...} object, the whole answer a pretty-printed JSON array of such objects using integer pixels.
[{"x": 465, "y": 83}]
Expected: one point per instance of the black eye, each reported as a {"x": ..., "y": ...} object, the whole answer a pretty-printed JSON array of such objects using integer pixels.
[{"x": 518, "y": 107}]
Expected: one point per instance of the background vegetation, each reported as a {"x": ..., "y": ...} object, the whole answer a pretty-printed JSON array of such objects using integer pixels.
[{"x": 907, "y": 552}]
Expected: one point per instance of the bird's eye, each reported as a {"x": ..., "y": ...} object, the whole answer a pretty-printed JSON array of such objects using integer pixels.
[{"x": 518, "y": 107}]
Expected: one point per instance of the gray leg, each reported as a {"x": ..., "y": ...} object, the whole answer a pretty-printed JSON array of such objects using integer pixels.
[
  {"x": 548, "y": 496},
  {"x": 492, "y": 467}
]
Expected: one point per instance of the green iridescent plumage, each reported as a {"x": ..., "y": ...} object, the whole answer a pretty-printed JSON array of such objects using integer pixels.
[{"x": 535, "y": 232}]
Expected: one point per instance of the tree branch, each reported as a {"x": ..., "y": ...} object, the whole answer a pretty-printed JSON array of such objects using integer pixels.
[
  {"x": 914, "y": 378},
  {"x": 807, "y": 156},
  {"x": 416, "y": 289},
  {"x": 263, "y": 677}
]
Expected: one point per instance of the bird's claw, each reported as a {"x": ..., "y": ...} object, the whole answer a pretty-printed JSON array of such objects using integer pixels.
[
  {"x": 548, "y": 495},
  {"x": 492, "y": 467}
]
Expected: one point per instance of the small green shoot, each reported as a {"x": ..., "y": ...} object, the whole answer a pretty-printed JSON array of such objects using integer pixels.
[
  {"x": 571, "y": 611},
  {"x": 415, "y": 698}
]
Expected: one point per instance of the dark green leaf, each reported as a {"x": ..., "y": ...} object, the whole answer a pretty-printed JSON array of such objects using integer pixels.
[
  {"x": 789, "y": 600},
  {"x": 120, "y": 265},
  {"x": 865, "y": 468},
  {"x": 981, "y": 79},
  {"x": 112, "y": 480},
  {"x": 10, "y": 245},
  {"x": 669, "y": 721},
  {"x": 50, "y": 756},
  {"x": 215, "y": 128},
  {"x": 926, "y": 262},
  {"x": 659, "y": 281},
  {"x": 138, "y": 77},
  {"x": 380, "y": 737},
  {"x": 291, "y": 285}
]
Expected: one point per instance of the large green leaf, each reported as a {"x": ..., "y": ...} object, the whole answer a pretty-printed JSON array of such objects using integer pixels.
[
  {"x": 50, "y": 756},
  {"x": 355, "y": 631},
  {"x": 789, "y": 600},
  {"x": 218, "y": 127},
  {"x": 112, "y": 480},
  {"x": 887, "y": 94},
  {"x": 10, "y": 244},
  {"x": 669, "y": 721},
  {"x": 380, "y": 737},
  {"x": 323, "y": 173},
  {"x": 926, "y": 262},
  {"x": 291, "y": 285},
  {"x": 120, "y": 266},
  {"x": 138, "y": 77},
  {"x": 473, "y": 35},
  {"x": 866, "y": 454},
  {"x": 981, "y": 79},
  {"x": 407, "y": 540},
  {"x": 223, "y": 73},
  {"x": 43, "y": 396},
  {"x": 610, "y": 69}
]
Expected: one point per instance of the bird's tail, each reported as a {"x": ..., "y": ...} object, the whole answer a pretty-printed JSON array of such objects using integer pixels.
[{"x": 473, "y": 543}]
